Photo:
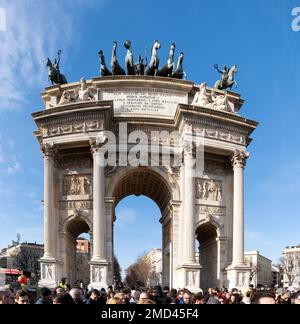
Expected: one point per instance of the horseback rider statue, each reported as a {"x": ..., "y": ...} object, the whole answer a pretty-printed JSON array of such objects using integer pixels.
[
  {"x": 54, "y": 75},
  {"x": 227, "y": 79}
]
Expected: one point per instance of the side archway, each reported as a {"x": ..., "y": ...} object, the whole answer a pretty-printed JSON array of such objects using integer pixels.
[
  {"x": 207, "y": 234},
  {"x": 76, "y": 264}
]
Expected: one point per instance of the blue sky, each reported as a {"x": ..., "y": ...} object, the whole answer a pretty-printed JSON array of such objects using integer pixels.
[{"x": 256, "y": 35}]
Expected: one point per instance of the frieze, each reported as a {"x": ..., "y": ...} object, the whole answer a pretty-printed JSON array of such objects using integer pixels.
[
  {"x": 76, "y": 205},
  {"x": 73, "y": 128},
  {"x": 76, "y": 163},
  {"x": 211, "y": 210}
]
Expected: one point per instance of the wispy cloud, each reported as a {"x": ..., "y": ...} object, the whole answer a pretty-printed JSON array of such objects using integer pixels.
[
  {"x": 15, "y": 166},
  {"x": 35, "y": 30},
  {"x": 125, "y": 217}
]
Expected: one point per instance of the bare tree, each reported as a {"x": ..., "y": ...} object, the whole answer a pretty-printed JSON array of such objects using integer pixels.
[
  {"x": 254, "y": 269},
  {"x": 289, "y": 263},
  {"x": 139, "y": 274},
  {"x": 27, "y": 259},
  {"x": 117, "y": 271}
]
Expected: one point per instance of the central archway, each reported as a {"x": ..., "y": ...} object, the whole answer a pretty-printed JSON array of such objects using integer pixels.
[
  {"x": 76, "y": 263},
  {"x": 156, "y": 185}
]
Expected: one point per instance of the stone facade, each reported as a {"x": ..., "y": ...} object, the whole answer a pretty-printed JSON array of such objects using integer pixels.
[
  {"x": 155, "y": 258},
  {"x": 81, "y": 194},
  {"x": 291, "y": 267},
  {"x": 260, "y": 267}
]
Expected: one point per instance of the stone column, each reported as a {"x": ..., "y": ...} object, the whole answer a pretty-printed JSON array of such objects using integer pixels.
[
  {"x": 189, "y": 238},
  {"x": 51, "y": 268},
  {"x": 49, "y": 213},
  {"x": 238, "y": 272},
  {"x": 99, "y": 220},
  {"x": 99, "y": 264},
  {"x": 188, "y": 273},
  {"x": 239, "y": 162}
]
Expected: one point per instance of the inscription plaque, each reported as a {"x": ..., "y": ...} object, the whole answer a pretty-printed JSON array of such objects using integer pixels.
[{"x": 144, "y": 101}]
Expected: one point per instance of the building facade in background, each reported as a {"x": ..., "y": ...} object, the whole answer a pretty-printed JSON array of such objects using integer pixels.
[
  {"x": 155, "y": 259},
  {"x": 291, "y": 266},
  {"x": 260, "y": 269}
]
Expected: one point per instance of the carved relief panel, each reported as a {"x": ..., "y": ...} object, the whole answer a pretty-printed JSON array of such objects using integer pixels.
[
  {"x": 77, "y": 185},
  {"x": 210, "y": 190}
]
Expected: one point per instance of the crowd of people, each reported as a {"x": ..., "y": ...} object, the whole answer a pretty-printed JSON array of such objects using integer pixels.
[{"x": 63, "y": 294}]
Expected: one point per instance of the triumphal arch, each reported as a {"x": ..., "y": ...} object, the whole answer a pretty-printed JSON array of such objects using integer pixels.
[{"x": 115, "y": 136}]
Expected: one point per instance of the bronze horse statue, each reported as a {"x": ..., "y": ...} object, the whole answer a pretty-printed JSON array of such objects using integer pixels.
[
  {"x": 129, "y": 64},
  {"x": 104, "y": 70},
  {"x": 140, "y": 66},
  {"x": 54, "y": 75},
  {"x": 179, "y": 71},
  {"x": 167, "y": 70},
  {"x": 116, "y": 69},
  {"x": 227, "y": 80},
  {"x": 152, "y": 69}
]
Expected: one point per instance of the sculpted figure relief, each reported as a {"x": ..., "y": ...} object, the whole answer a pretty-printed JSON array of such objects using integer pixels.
[
  {"x": 202, "y": 98},
  {"x": 219, "y": 102},
  {"x": 213, "y": 100},
  {"x": 209, "y": 190},
  {"x": 98, "y": 274},
  {"x": 82, "y": 93},
  {"x": 77, "y": 185}
]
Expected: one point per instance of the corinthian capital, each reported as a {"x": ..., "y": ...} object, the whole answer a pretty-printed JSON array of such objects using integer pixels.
[
  {"x": 48, "y": 151},
  {"x": 239, "y": 159},
  {"x": 98, "y": 142},
  {"x": 189, "y": 149}
]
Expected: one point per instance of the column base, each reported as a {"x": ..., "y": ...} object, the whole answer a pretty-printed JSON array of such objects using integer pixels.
[
  {"x": 99, "y": 274},
  {"x": 188, "y": 277},
  {"x": 51, "y": 273},
  {"x": 238, "y": 276}
]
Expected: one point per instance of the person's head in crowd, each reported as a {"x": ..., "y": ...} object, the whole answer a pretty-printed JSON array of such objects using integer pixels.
[
  {"x": 247, "y": 299},
  {"x": 22, "y": 297},
  {"x": 146, "y": 301},
  {"x": 297, "y": 299},
  {"x": 234, "y": 299},
  {"x": 46, "y": 294},
  {"x": 7, "y": 297},
  {"x": 199, "y": 299},
  {"x": 59, "y": 291},
  {"x": 63, "y": 299},
  {"x": 127, "y": 293},
  {"x": 264, "y": 298},
  {"x": 114, "y": 301},
  {"x": 187, "y": 298},
  {"x": 95, "y": 295},
  {"x": 76, "y": 294},
  {"x": 122, "y": 297}
]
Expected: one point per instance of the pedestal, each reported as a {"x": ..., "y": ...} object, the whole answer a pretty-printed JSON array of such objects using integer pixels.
[
  {"x": 99, "y": 275},
  {"x": 188, "y": 276},
  {"x": 51, "y": 273},
  {"x": 238, "y": 277}
]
